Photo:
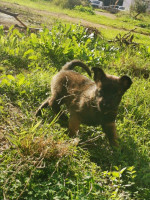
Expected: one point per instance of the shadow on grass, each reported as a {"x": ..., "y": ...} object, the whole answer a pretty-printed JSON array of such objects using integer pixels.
[{"x": 128, "y": 154}]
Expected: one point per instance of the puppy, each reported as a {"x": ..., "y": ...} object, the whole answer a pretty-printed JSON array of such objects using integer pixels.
[{"x": 88, "y": 102}]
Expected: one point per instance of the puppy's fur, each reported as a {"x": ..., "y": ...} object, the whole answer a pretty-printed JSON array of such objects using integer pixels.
[{"x": 88, "y": 102}]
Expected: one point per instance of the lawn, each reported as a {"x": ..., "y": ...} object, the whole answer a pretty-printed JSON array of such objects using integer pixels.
[{"x": 38, "y": 160}]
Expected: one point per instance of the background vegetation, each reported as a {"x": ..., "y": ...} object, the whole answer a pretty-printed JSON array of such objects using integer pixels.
[
  {"x": 38, "y": 159},
  {"x": 139, "y": 7},
  {"x": 120, "y": 24},
  {"x": 70, "y": 3}
]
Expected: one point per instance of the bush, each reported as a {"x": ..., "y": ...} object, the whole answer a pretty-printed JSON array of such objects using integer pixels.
[
  {"x": 69, "y": 3},
  {"x": 139, "y": 6},
  {"x": 85, "y": 9}
]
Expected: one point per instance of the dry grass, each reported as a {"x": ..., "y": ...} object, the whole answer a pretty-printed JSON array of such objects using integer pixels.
[{"x": 47, "y": 148}]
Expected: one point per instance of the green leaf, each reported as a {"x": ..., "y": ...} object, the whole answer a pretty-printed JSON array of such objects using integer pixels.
[
  {"x": 21, "y": 81},
  {"x": 10, "y": 77},
  {"x": 122, "y": 170},
  {"x": 30, "y": 51},
  {"x": 116, "y": 174}
]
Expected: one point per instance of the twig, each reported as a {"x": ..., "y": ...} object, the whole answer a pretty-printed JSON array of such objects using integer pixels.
[
  {"x": 89, "y": 141},
  {"x": 90, "y": 190},
  {"x": 132, "y": 30},
  {"x": 9, "y": 13},
  {"x": 56, "y": 167},
  {"x": 15, "y": 15},
  {"x": 25, "y": 185},
  {"x": 37, "y": 164},
  {"x": 20, "y": 22},
  {"x": 69, "y": 95},
  {"x": 126, "y": 39},
  {"x": 10, "y": 177}
]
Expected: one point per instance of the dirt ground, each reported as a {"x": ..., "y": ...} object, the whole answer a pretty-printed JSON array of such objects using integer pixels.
[{"x": 7, "y": 20}]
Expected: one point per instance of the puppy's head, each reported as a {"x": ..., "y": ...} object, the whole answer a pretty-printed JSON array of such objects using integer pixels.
[{"x": 110, "y": 89}]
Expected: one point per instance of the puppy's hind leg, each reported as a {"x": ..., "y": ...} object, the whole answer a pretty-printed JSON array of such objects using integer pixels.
[
  {"x": 50, "y": 101},
  {"x": 55, "y": 105},
  {"x": 74, "y": 124},
  {"x": 45, "y": 104}
]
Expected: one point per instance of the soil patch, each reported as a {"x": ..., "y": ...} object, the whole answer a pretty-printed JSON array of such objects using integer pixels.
[
  {"x": 106, "y": 14},
  {"x": 7, "y": 20}
]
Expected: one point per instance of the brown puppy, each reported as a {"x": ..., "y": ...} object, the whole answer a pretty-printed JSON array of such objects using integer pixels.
[{"x": 88, "y": 102}]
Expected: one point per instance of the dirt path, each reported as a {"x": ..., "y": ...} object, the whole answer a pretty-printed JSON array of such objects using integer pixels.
[
  {"x": 7, "y": 20},
  {"x": 109, "y": 15}
]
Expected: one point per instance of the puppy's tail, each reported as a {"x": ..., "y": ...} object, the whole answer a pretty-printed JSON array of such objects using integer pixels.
[
  {"x": 74, "y": 63},
  {"x": 43, "y": 105}
]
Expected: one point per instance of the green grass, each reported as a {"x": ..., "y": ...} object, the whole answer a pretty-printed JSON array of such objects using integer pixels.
[
  {"x": 111, "y": 34},
  {"x": 38, "y": 159}
]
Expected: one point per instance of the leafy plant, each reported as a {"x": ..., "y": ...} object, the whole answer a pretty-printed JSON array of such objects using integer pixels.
[
  {"x": 88, "y": 10},
  {"x": 139, "y": 7},
  {"x": 69, "y": 3}
]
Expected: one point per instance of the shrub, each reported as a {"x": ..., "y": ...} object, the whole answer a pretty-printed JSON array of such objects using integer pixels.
[
  {"x": 85, "y": 9},
  {"x": 69, "y": 3},
  {"x": 139, "y": 6}
]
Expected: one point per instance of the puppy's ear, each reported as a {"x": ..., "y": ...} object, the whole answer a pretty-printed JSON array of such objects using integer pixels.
[
  {"x": 125, "y": 82},
  {"x": 99, "y": 75}
]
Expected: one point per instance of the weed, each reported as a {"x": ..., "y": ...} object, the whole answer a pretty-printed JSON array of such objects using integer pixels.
[{"x": 88, "y": 10}]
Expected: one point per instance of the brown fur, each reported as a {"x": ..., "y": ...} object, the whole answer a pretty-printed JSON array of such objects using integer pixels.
[{"x": 88, "y": 102}]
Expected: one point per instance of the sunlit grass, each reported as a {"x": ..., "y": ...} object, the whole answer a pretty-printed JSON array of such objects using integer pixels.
[{"x": 38, "y": 160}]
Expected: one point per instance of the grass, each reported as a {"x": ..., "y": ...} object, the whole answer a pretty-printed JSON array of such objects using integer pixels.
[{"x": 38, "y": 159}]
